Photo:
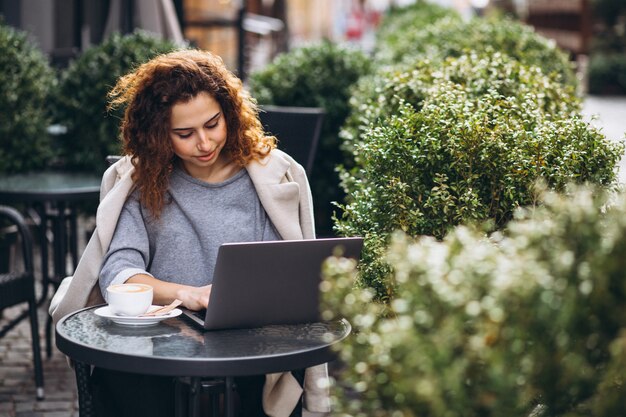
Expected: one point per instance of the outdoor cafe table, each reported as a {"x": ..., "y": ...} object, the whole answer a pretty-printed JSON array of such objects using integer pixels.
[
  {"x": 53, "y": 196},
  {"x": 176, "y": 347}
]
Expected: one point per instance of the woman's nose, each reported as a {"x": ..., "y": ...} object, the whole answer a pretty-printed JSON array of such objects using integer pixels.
[{"x": 204, "y": 143}]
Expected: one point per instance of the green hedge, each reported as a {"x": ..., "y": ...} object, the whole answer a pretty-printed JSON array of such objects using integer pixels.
[
  {"x": 318, "y": 75},
  {"x": 398, "y": 20},
  {"x": 378, "y": 96},
  {"x": 81, "y": 99},
  {"x": 526, "y": 322},
  {"x": 451, "y": 37},
  {"x": 607, "y": 73},
  {"x": 463, "y": 143},
  {"x": 25, "y": 83},
  {"x": 607, "y": 66}
]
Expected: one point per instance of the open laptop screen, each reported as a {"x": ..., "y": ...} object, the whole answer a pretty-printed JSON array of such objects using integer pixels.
[{"x": 271, "y": 282}]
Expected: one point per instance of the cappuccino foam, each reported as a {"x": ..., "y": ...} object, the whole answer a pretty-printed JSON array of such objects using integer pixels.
[{"x": 129, "y": 288}]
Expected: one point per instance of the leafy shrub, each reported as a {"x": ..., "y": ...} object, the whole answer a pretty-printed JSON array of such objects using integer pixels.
[
  {"x": 451, "y": 37},
  {"x": 609, "y": 13},
  {"x": 493, "y": 326},
  {"x": 398, "y": 20},
  {"x": 467, "y": 145},
  {"x": 25, "y": 83},
  {"x": 607, "y": 66},
  {"x": 319, "y": 75},
  {"x": 379, "y": 95},
  {"x": 82, "y": 97},
  {"x": 607, "y": 73}
]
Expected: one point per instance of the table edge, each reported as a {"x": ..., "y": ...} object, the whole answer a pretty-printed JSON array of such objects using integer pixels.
[
  {"x": 42, "y": 195},
  {"x": 192, "y": 367}
]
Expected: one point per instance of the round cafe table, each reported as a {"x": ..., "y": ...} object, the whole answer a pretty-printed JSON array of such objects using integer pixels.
[
  {"x": 49, "y": 186},
  {"x": 52, "y": 194},
  {"x": 50, "y": 199},
  {"x": 176, "y": 347}
]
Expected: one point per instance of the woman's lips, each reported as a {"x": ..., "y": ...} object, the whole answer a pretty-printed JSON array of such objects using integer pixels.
[{"x": 206, "y": 157}]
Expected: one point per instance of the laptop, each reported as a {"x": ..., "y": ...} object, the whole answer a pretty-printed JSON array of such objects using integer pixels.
[{"x": 271, "y": 282}]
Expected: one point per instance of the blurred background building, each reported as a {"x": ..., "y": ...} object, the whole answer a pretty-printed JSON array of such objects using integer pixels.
[
  {"x": 249, "y": 33},
  {"x": 246, "y": 33}
]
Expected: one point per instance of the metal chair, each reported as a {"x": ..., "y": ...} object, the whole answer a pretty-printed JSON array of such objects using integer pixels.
[
  {"x": 19, "y": 287},
  {"x": 297, "y": 130},
  {"x": 111, "y": 159}
]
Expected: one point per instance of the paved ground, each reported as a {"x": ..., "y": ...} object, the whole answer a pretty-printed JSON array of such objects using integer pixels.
[
  {"x": 17, "y": 393},
  {"x": 609, "y": 114}
]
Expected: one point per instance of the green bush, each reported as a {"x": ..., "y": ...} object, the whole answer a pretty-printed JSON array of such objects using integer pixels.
[
  {"x": 398, "y": 20},
  {"x": 378, "y": 96},
  {"x": 607, "y": 73},
  {"x": 609, "y": 13},
  {"x": 529, "y": 320},
  {"x": 82, "y": 97},
  {"x": 25, "y": 83},
  {"x": 451, "y": 37},
  {"x": 607, "y": 66},
  {"x": 319, "y": 75},
  {"x": 460, "y": 143}
]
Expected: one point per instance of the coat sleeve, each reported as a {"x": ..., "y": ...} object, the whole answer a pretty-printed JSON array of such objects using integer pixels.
[
  {"x": 297, "y": 174},
  {"x": 81, "y": 290},
  {"x": 316, "y": 382}
]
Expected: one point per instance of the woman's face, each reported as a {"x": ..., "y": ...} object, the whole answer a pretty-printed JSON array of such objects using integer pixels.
[{"x": 198, "y": 132}]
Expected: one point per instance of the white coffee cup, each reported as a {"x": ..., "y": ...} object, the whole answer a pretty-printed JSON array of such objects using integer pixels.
[{"x": 129, "y": 299}]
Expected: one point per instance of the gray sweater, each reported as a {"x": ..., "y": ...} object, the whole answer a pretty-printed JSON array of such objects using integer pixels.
[{"x": 181, "y": 246}]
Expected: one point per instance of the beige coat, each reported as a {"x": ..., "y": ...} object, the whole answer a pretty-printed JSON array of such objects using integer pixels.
[{"x": 284, "y": 192}]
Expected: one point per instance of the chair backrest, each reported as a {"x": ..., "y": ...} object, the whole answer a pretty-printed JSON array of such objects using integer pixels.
[
  {"x": 19, "y": 286},
  {"x": 297, "y": 130},
  {"x": 14, "y": 282},
  {"x": 111, "y": 159},
  {"x": 18, "y": 224}
]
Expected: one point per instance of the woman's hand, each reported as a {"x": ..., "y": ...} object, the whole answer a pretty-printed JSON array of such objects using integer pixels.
[{"x": 194, "y": 298}]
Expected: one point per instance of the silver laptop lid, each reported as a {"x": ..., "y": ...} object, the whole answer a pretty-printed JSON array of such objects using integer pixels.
[{"x": 272, "y": 282}]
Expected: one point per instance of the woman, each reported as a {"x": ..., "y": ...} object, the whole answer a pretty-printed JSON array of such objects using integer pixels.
[{"x": 199, "y": 172}]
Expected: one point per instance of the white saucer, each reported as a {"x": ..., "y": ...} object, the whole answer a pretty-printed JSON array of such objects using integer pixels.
[{"x": 135, "y": 321}]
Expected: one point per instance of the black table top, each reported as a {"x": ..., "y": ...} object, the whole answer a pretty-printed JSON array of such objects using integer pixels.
[
  {"x": 176, "y": 347},
  {"x": 49, "y": 186}
]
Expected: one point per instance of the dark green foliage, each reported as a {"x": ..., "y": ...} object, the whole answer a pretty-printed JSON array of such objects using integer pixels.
[
  {"x": 82, "y": 98},
  {"x": 450, "y": 142},
  {"x": 378, "y": 96},
  {"x": 607, "y": 73},
  {"x": 319, "y": 75},
  {"x": 418, "y": 15},
  {"x": 607, "y": 66},
  {"x": 490, "y": 327},
  {"x": 451, "y": 37},
  {"x": 468, "y": 146},
  {"x": 25, "y": 83},
  {"x": 609, "y": 12}
]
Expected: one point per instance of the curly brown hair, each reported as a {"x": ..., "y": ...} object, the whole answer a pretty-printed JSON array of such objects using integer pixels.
[{"x": 150, "y": 92}]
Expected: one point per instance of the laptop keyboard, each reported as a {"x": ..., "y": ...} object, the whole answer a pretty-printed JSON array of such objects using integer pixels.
[{"x": 201, "y": 314}]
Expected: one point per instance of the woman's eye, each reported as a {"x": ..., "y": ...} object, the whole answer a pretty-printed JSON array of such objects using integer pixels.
[
  {"x": 211, "y": 126},
  {"x": 184, "y": 135}
]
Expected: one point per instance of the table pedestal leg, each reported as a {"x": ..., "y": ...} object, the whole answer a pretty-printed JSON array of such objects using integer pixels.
[
  {"x": 229, "y": 400},
  {"x": 41, "y": 220},
  {"x": 179, "y": 395},
  {"x": 83, "y": 384},
  {"x": 190, "y": 394},
  {"x": 194, "y": 394},
  {"x": 60, "y": 220}
]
